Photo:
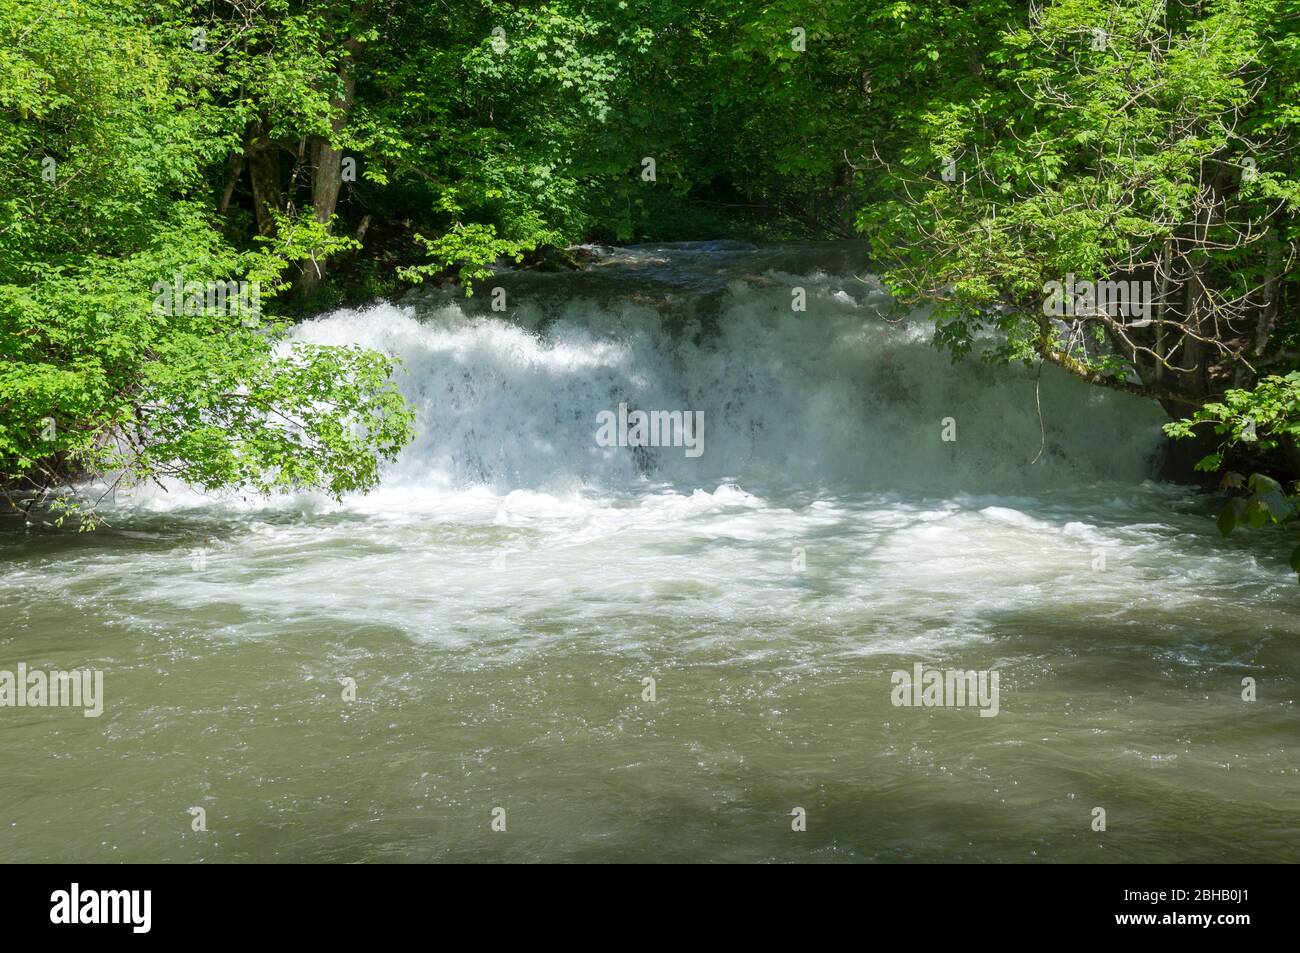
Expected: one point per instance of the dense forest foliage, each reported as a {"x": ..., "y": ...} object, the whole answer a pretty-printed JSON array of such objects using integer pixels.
[{"x": 329, "y": 152}]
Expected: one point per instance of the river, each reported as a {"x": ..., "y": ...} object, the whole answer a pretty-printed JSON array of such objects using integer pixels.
[{"x": 623, "y": 654}]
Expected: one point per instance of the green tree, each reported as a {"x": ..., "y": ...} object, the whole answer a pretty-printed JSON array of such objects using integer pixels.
[
  {"x": 106, "y": 202},
  {"x": 1129, "y": 141}
]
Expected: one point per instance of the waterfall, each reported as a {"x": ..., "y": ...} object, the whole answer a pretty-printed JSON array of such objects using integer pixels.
[{"x": 839, "y": 396}]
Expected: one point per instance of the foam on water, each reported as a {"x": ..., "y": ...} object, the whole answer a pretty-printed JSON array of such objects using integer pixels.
[
  {"x": 503, "y": 593},
  {"x": 822, "y": 431},
  {"x": 833, "y": 398}
]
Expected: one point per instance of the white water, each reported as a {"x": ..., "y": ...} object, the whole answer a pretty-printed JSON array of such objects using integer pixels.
[
  {"x": 823, "y": 430},
  {"x": 501, "y": 596},
  {"x": 831, "y": 398}
]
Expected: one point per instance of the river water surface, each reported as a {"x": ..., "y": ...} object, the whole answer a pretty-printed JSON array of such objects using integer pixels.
[{"x": 503, "y": 597}]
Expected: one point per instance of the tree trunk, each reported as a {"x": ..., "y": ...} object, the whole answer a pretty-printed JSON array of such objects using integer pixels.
[
  {"x": 235, "y": 169},
  {"x": 264, "y": 173},
  {"x": 327, "y": 176},
  {"x": 1272, "y": 278}
]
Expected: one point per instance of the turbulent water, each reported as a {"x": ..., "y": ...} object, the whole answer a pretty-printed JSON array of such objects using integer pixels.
[{"x": 860, "y": 506}]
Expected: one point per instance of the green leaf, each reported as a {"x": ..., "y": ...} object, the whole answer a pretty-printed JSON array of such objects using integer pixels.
[
  {"x": 1228, "y": 518},
  {"x": 1259, "y": 483},
  {"x": 1279, "y": 508}
]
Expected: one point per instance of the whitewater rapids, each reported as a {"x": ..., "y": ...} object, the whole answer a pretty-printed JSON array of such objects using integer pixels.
[{"x": 501, "y": 598}]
